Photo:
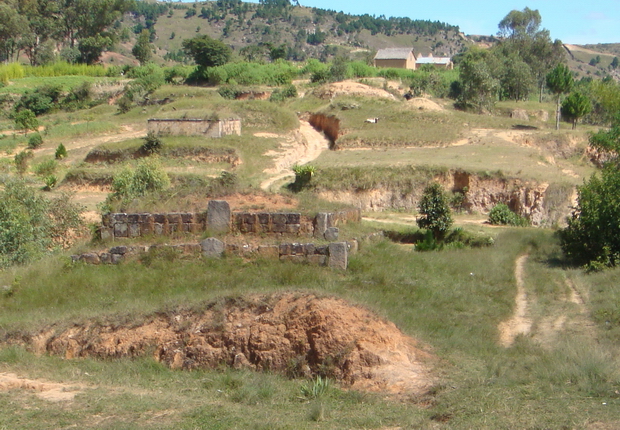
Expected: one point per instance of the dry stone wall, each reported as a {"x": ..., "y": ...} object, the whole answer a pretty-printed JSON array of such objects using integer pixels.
[{"x": 194, "y": 127}]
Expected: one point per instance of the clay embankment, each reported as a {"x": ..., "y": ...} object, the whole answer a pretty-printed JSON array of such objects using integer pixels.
[
  {"x": 539, "y": 203},
  {"x": 290, "y": 333}
]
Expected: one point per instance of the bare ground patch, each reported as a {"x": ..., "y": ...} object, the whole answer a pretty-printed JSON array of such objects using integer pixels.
[{"x": 50, "y": 391}]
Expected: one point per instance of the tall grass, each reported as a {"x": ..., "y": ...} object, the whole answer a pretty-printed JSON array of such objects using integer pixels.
[
  {"x": 62, "y": 68},
  {"x": 11, "y": 71}
]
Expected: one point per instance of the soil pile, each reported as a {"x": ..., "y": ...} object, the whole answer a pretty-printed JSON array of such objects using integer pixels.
[
  {"x": 350, "y": 88},
  {"x": 296, "y": 334}
]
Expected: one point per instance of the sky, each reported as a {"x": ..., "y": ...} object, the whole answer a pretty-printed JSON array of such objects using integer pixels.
[{"x": 572, "y": 21}]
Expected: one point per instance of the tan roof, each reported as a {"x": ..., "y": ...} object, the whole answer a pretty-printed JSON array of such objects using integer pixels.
[{"x": 394, "y": 54}]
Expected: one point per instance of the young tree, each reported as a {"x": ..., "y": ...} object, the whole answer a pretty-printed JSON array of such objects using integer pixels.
[
  {"x": 435, "y": 210},
  {"x": 207, "y": 52},
  {"x": 559, "y": 81},
  {"x": 575, "y": 107},
  {"x": 143, "y": 49},
  {"x": 26, "y": 120}
]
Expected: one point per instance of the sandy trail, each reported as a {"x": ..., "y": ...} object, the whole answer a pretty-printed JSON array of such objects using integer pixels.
[
  {"x": 303, "y": 146},
  {"x": 51, "y": 391},
  {"x": 518, "y": 323}
]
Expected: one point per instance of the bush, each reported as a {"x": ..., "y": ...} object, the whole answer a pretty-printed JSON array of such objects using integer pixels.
[
  {"x": 290, "y": 91},
  {"x": 303, "y": 175},
  {"x": 229, "y": 92},
  {"x": 502, "y": 215},
  {"x": 435, "y": 210},
  {"x": 61, "y": 152},
  {"x": 34, "y": 141},
  {"x": 21, "y": 161},
  {"x": 152, "y": 144},
  {"x": 147, "y": 177},
  {"x": 46, "y": 168}
]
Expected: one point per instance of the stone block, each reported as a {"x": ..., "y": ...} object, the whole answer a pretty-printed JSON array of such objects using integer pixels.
[
  {"x": 269, "y": 251},
  {"x": 286, "y": 249},
  {"x": 293, "y": 228},
  {"x": 105, "y": 258},
  {"x": 134, "y": 230},
  {"x": 293, "y": 218},
  {"x": 320, "y": 224},
  {"x": 298, "y": 249},
  {"x": 75, "y": 258},
  {"x": 158, "y": 229},
  {"x": 117, "y": 258},
  {"x": 338, "y": 255},
  {"x": 146, "y": 218},
  {"x": 107, "y": 220},
  {"x": 278, "y": 228},
  {"x": 264, "y": 218},
  {"x": 188, "y": 218},
  {"x": 133, "y": 218},
  {"x": 119, "y": 217},
  {"x": 321, "y": 250},
  {"x": 317, "y": 260},
  {"x": 106, "y": 233},
  {"x": 119, "y": 250},
  {"x": 331, "y": 234},
  {"x": 212, "y": 247},
  {"x": 309, "y": 248},
  {"x": 90, "y": 258},
  {"x": 278, "y": 218},
  {"x": 186, "y": 228},
  {"x": 173, "y": 218},
  {"x": 121, "y": 229},
  {"x": 159, "y": 218},
  {"x": 218, "y": 216}
]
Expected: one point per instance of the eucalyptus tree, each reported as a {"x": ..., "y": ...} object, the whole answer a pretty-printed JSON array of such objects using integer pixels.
[{"x": 559, "y": 81}]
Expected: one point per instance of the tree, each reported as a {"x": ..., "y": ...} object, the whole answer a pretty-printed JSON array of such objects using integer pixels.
[
  {"x": 520, "y": 23},
  {"x": 517, "y": 80},
  {"x": 143, "y": 49},
  {"x": 207, "y": 52},
  {"x": 435, "y": 210},
  {"x": 479, "y": 85},
  {"x": 592, "y": 236},
  {"x": 559, "y": 81},
  {"x": 26, "y": 120},
  {"x": 575, "y": 107},
  {"x": 92, "y": 47},
  {"x": 614, "y": 63}
]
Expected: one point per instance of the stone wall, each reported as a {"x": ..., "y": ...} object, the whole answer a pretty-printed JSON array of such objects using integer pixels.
[
  {"x": 123, "y": 225},
  {"x": 194, "y": 127}
]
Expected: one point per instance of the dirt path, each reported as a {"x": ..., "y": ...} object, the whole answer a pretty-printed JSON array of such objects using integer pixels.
[
  {"x": 303, "y": 146},
  {"x": 51, "y": 391},
  {"x": 518, "y": 323}
]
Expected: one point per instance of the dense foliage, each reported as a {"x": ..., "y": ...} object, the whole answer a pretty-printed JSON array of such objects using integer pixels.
[
  {"x": 502, "y": 215},
  {"x": 31, "y": 225},
  {"x": 434, "y": 208}
]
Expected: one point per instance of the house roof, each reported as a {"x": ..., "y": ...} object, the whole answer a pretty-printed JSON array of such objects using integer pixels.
[{"x": 394, "y": 54}]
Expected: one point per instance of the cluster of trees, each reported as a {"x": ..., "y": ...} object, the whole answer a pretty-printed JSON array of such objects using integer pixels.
[
  {"x": 84, "y": 28},
  {"x": 514, "y": 68}
]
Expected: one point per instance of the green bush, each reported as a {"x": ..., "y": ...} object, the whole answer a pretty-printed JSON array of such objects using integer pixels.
[
  {"x": 152, "y": 144},
  {"x": 61, "y": 152},
  {"x": 46, "y": 168},
  {"x": 21, "y": 161},
  {"x": 34, "y": 141},
  {"x": 229, "y": 92},
  {"x": 289, "y": 91},
  {"x": 435, "y": 210},
  {"x": 147, "y": 177},
  {"x": 50, "y": 182},
  {"x": 303, "y": 175},
  {"x": 502, "y": 215}
]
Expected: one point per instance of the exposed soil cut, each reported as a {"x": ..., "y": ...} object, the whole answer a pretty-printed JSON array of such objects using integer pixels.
[{"x": 291, "y": 333}]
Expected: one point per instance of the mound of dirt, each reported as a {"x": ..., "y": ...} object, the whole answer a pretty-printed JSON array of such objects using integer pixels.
[
  {"x": 423, "y": 104},
  {"x": 350, "y": 88},
  {"x": 298, "y": 334}
]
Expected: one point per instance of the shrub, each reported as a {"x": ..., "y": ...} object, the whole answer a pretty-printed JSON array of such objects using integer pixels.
[
  {"x": 502, "y": 215},
  {"x": 303, "y": 175},
  {"x": 147, "y": 177},
  {"x": 229, "y": 92},
  {"x": 34, "y": 141},
  {"x": 50, "y": 182},
  {"x": 435, "y": 210},
  {"x": 290, "y": 91},
  {"x": 21, "y": 161},
  {"x": 46, "y": 168},
  {"x": 61, "y": 152},
  {"x": 26, "y": 120},
  {"x": 152, "y": 144}
]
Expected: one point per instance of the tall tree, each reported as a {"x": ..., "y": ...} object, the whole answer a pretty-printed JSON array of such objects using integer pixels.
[
  {"x": 520, "y": 23},
  {"x": 143, "y": 49},
  {"x": 559, "y": 81},
  {"x": 12, "y": 27},
  {"x": 207, "y": 52},
  {"x": 478, "y": 74}
]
